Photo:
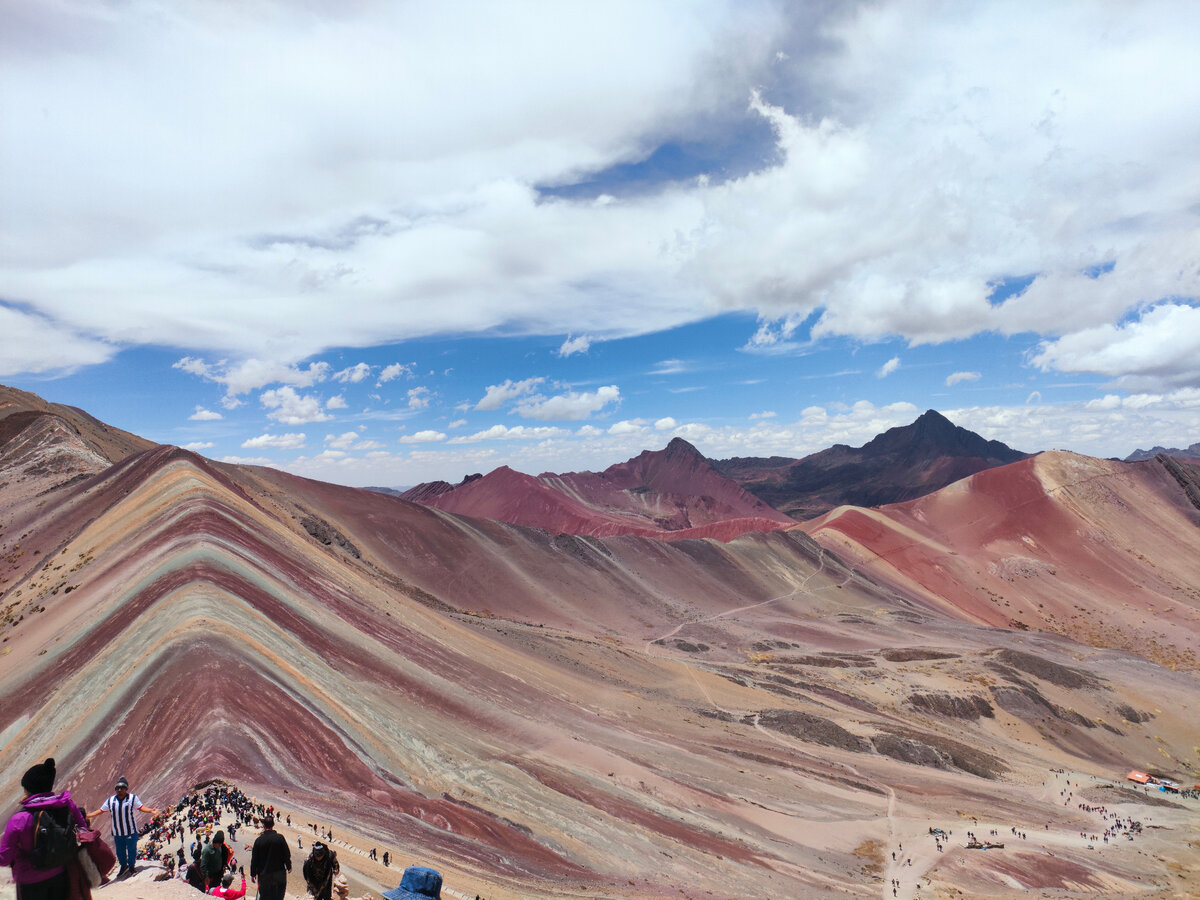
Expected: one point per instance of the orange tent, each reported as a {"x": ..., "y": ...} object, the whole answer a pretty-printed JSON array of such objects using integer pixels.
[{"x": 1139, "y": 777}]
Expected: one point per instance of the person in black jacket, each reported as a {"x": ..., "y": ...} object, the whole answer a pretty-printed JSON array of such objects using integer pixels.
[
  {"x": 319, "y": 869},
  {"x": 270, "y": 862}
]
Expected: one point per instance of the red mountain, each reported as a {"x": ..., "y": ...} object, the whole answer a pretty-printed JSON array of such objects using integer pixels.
[{"x": 671, "y": 494}]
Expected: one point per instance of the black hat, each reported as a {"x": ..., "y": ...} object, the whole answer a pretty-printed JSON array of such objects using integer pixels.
[
  {"x": 40, "y": 778},
  {"x": 122, "y": 782}
]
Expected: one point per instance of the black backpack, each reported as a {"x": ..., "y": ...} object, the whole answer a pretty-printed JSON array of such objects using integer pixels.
[{"x": 54, "y": 840}]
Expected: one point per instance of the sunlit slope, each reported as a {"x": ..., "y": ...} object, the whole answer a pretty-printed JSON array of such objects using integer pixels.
[
  {"x": 1105, "y": 552},
  {"x": 545, "y": 715}
]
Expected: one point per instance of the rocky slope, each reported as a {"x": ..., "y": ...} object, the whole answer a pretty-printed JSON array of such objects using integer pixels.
[{"x": 551, "y": 715}]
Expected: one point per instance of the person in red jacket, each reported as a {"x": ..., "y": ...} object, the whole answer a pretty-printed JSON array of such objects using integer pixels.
[{"x": 226, "y": 891}]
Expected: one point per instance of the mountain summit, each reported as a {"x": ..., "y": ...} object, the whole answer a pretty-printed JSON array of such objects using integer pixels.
[{"x": 899, "y": 464}]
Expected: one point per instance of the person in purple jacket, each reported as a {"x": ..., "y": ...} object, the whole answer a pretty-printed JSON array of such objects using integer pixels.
[{"x": 16, "y": 847}]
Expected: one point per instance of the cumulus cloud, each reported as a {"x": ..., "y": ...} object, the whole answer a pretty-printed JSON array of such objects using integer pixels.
[
  {"x": 291, "y": 408},
  {"x": 570, "y": 406},
  {"x": 418, "y": 398},
  {"x": 457, "y": 423},
  {"x": 423, "y": 437},
  {"x": 337, "y": 401},
  {"x": 1160, "y": 349},
  {"x": 888, "y": 367},
  {"x": 392, "y": 372},
  {"x": 629, "y": 426},
  {"x": 959, "y": 377},
  {"x": 342, "y": 441},
  {"x": 665, "y": 424},
  {"x": 496, "y": 395},
  {"x": 204, "y": 415},
  {"x": 766, "y": 414},
  {"x": 197, "y": 446},
  {"x": 575, "y": 345},
  {"x": 354, "y": 374},
  {"x": 251, "y": 374},
  {"x": 277, "y": 441}
]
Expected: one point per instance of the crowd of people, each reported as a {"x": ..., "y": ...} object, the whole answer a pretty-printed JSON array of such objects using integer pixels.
[{"x": 204, "y": 858}]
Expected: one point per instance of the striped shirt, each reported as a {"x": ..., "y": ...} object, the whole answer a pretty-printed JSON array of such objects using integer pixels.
[{"x": 123, "y": 823}]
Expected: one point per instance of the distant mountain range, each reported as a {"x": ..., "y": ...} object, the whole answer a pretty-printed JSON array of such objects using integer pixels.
[
  {"x": 1192, "y": 452},
  {"x": 544, "y": 714},
  {"x": 677, "y": 493},
  {"x": 671, "y": 493}
]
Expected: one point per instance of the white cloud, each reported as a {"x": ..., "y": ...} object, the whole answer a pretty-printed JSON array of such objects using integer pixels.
[
  {"x": 669, "y": 367},
  {"x": 1161, "y": 349},
  {"x": 888, "y": 367},
  {"x": 418, "y": 398},
  {"x": 925, "y": 153},
  {"x": 504, "y": 433},
  {"x": 959, "y": 377},
  {"x": 342, "y": 441},
  {"x": 392, "y": 372},
  {"x": 457, "y": 423},
  {"x": 197, "y": 446},
  {"x": 423, "y": 437},
  {"x": 204, "y": 415},
  {"x": 569, "y": 406},
  {"x": 629, "y": 426},
  {"x": 571, "y": 345},
  {"x": 665, "y": 424},
  {"x": 354, "y": 374},
  {"x": 766, "y": 414},
  {"x": 496, "y": 395},
  {"x": 278, "y": 441},
  {"x": 588, "y": 431},
  {"x": 248, "y": 461},
  {"x": 337, "y": 401},
  {"x": 250, "y": 374},
  {"x": 292, "y": 408}
]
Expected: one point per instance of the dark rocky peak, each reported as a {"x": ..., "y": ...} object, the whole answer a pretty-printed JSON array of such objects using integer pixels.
[
  {"x": 932, "y": 434},
  {"x": 678, "y": 447}
]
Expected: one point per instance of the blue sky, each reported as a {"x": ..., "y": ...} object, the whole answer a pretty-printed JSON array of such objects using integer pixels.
[{"x": 381, "y": 244}]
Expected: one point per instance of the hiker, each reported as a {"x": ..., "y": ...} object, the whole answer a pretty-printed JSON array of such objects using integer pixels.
[
  {"x": 213, "y": 860},
  {"x": 319, "y": 869},
  {"x": 270, "y": 861},
  {"x": 417, "y": 882},
  {"x": 121, "y": 806},
  {"x": 35, "y": 879},
  {"x": 226, "y": 891}
]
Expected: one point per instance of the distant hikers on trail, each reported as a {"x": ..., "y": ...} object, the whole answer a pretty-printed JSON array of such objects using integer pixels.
[
  {"x": 45, "y": 869},
  {"x": 121, "y": 807}
]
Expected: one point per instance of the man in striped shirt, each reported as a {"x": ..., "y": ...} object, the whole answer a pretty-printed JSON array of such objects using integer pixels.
[{"x": 121, "y": 807}]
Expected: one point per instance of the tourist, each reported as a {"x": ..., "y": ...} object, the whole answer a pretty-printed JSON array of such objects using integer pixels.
[
  {"x": 319, "y": 869},
  {"x": 121, "y": 806},
  {"x": 270, "y": 861},
  {"x": 16, "y": 846}
]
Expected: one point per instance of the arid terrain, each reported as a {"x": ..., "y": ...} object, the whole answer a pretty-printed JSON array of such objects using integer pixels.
[{"x": 783, "y": 714}]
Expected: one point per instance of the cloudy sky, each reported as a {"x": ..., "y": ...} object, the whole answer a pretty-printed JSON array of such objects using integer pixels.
[{"x": 381, "y": 243}]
